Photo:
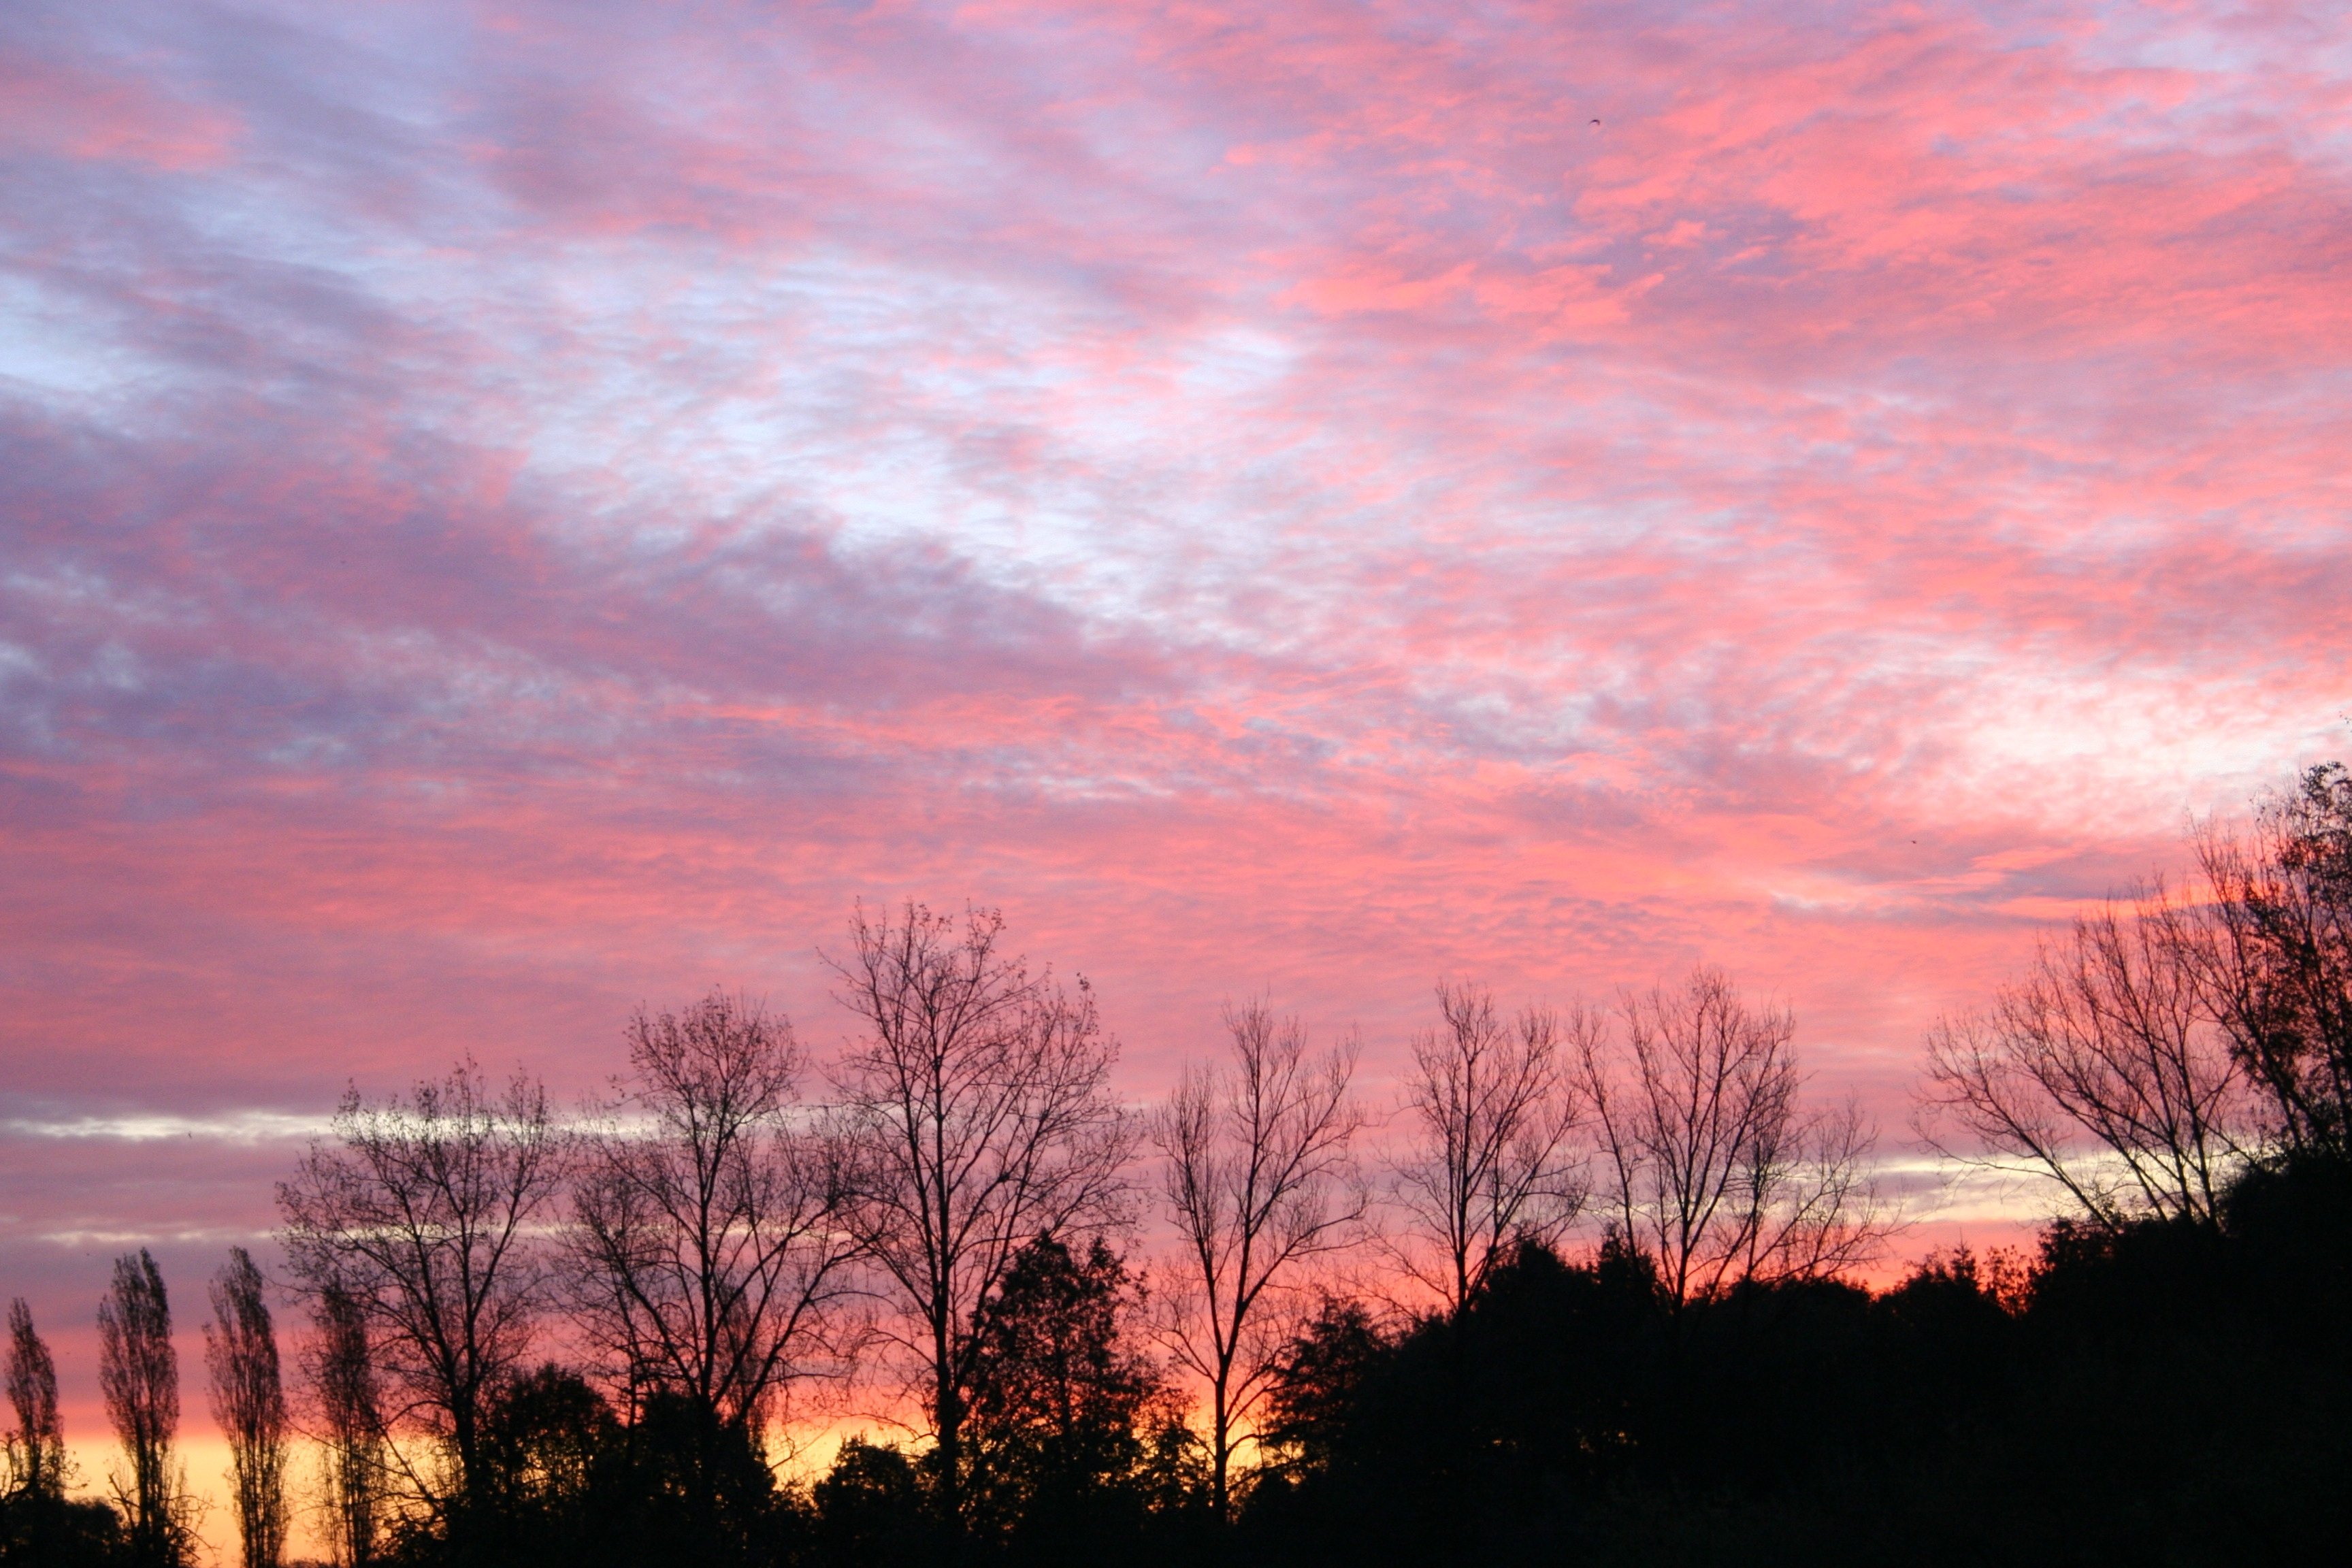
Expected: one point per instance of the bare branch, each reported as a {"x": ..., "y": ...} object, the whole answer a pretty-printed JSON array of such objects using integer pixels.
[
  {"x": 2278, "y": 968},
  {"x": 1259, "y": 1183},
  {"x": 1709, "y": 1165},
  {"x": 342, "y": 1378},
  {"x": 37, "y": 1447},
  {"x": 707, "y": 1237},
  {"x": 1496, "y": 1106},
  {"x": 973, "y": 1116},
  {"x": 249, "y": 1405},
  {"x": 139, "y": 1374},
  {"x": 2101, "y": 1072},
  {"x": 424, "y": 1212}
]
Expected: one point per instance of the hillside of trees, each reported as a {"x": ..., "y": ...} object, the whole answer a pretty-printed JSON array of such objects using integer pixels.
[{"x": 1595, "y": 1300}]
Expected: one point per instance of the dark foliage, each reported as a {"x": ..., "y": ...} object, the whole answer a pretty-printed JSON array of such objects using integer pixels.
[
  {"x": 875, "y": 1507},
  {"x": 53, "y": 1531},
  {"x": 565, "y": 1481},
  {"x": 1319, "y": 1388},
  {"x": 1060, "y": 1399},
  {"x": 2171, "y": 1393}
]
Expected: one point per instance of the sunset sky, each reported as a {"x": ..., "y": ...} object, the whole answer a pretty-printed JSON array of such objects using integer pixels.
[{"x": 509, "y": 511}]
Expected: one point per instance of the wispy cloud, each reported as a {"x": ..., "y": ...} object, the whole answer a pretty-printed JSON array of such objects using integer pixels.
[{"x": 235, "y": 1127}]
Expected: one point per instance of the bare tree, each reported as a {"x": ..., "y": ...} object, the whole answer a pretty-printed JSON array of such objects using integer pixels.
[
  {"x": 2279, "y": 969},
  {"x": 249, "y": 1403},
  {"x": 37, "y": 1448},
  {"x": 1816, "y": 1210},
  {"x": 2102, "y": 1070},
  {"x": 1258, "y": 1184},
  {"x": 424, "y": 1211},
  {"x": 351, "y": 1428},
  {"x": 1712, "y": 1168},
  {"x": 1495, "y": 1104},
  {"x": 709, "y": 1227},
  {"x": 973, "y": 1118},
  {"x": 139, "y": 1374}
]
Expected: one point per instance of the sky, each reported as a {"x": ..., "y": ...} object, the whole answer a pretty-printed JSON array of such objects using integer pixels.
[{"x": 510, "y": 511}]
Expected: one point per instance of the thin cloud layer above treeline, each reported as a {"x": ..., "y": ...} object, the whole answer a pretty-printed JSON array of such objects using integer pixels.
[{"x": 514, "y": 512}]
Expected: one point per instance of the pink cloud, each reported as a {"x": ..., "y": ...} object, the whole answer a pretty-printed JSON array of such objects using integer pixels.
[{"x": 63, "y": 108}]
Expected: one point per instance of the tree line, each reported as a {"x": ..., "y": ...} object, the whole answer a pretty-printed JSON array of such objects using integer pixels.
[{"x": 1597, "y": 1300}]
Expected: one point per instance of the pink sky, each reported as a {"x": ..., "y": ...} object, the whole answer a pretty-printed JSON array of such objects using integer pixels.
[{"x": 511, "y": 510}]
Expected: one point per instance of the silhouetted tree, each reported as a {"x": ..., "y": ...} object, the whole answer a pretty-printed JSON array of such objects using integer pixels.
[
  {"x": 1712, "y": 1167},
  {"x": 249, "y": 1403},
  {"x": 426, "y": 1212},
  {"x": 1318, "y": 1383},
  {"x": 2102, "y": 1070},
  {"x": 548, "y": 1440},
  {"x": 1061, "y": 1395},
  {"x": 871, "y": 1507},
  {"x": 139, "y": 1374},
  {"x": 710, "y": 1237},
  {"x": 1494, "y": 1105},
  {"x": 38, "y": 1523},
  {"x": 1258, "y": 1184},
  {"x": 345, "y": 1389},
  {"x": 2280, "y": 966},
  {"x": 37, "y": 1446},
  {"x": 1424, "y": 1445},
  {"x": 973, "y": 1116}
]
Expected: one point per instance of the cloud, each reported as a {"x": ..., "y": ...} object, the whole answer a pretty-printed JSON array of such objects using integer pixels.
[{"x": 240, "y": 1127}]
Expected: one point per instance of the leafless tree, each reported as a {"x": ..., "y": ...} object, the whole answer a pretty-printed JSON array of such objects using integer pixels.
[
  {"x": 425, "y": 1212},
  {"x": 37, "y": 1448},
  {"x": 2102, "y": 1070},
  {"x": 1495, "y": 1103},
  {"x": 139, "y": 1376},
  {"x": 1711, "y": 1165},
  {"x": 973, "y": 1116},
  {"x": 1258, "y": 1183},
  {"x": 344, "y": 1383},
  {"x": 249, "y": 1405},
  {"x": 1816, "y": 1211},
  {"x": 709, "y": 1226},
  {"x": 2279, "y": 967}
]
